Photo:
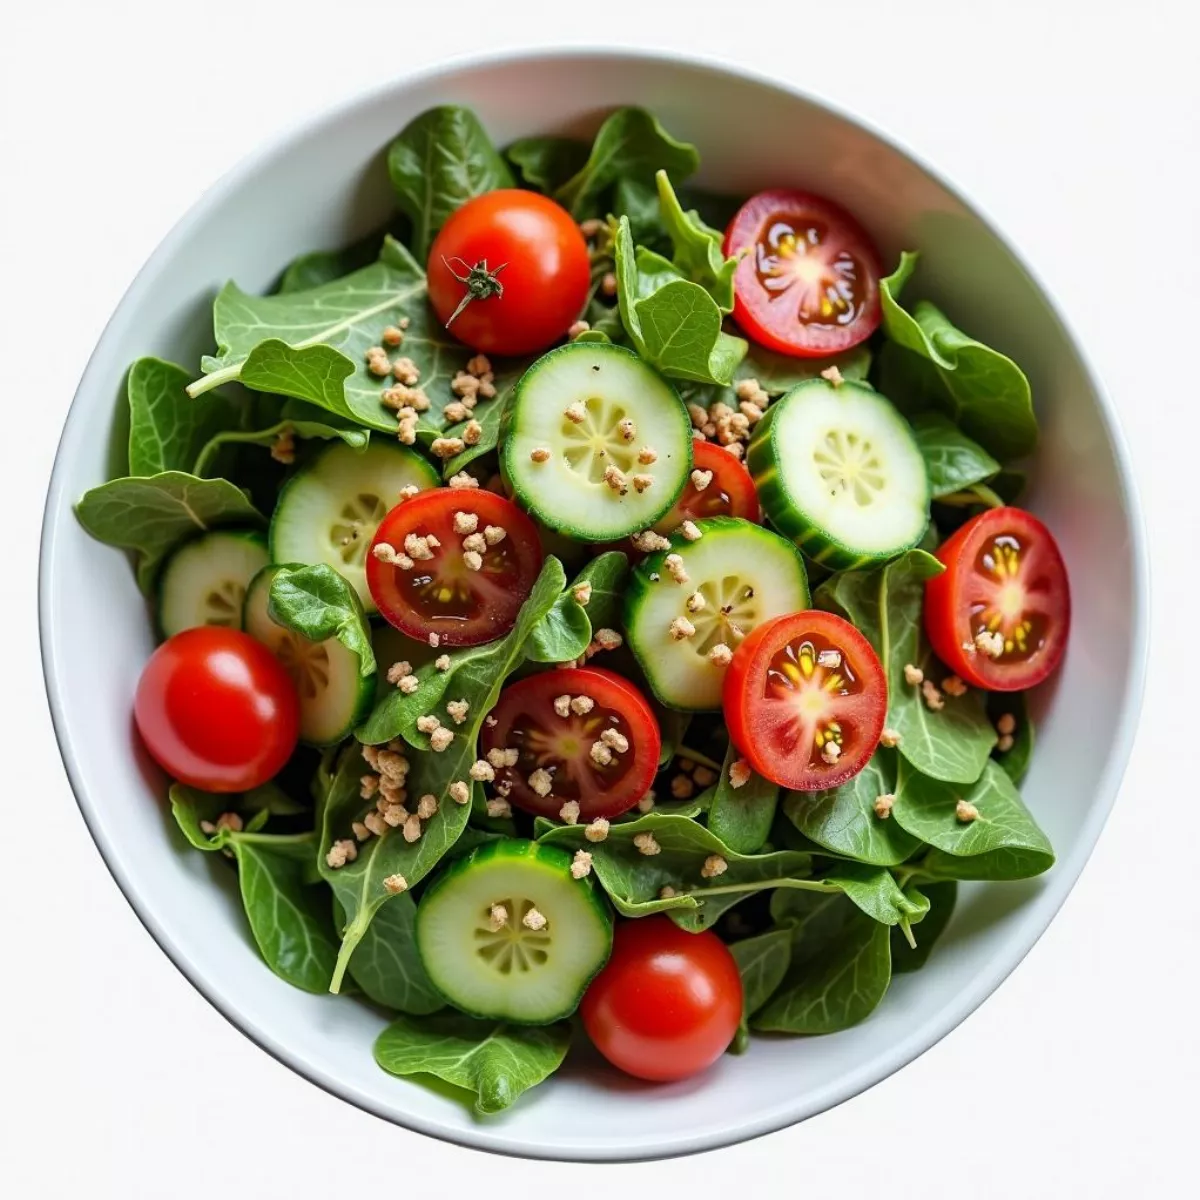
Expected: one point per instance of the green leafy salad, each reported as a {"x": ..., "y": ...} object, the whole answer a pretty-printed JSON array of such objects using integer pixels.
[{"x": 588, "y": 599}]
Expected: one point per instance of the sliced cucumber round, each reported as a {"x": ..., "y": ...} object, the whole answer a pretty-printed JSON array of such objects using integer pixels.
[
  {"x": 839, "y": 472},
  {"x": 577, "y": 434},
  {"x": 507, "y": 933},
  {"x": 334, "y": 694},
  {"x": 743, "y": 574},
  {"x": 204, "y": 582},
  {"x": 329, "y": 510}
]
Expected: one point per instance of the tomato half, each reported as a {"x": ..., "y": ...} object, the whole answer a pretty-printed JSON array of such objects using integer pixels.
[
  {"x": 216, "y": 710},
  {"x": 1000, "y": 613},
  {"x": 668, "y": 1002},
  {"x": 730, "y": 494},
  {"x": 526, "y": 721},
  {"x": 805, "y": 699},
  {"x": 441, "y": 594},
  {"x": 808, "y": 284},
  {"x": 526, "y": 263}
]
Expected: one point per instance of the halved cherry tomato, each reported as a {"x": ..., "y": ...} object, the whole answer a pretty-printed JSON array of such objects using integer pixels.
[
  {"x": 668, "y": 1002},
  {"x": 809, "y": 282},
  {"x": 730, "y": 494},
  {"x": 526, "y": 263},
  {"x": 805, "y": 699},
  {"x": 604, "y": 781},
  {"x": 441, "y": 594},
  {"x": 217, "y": 710},
  {"x": 1000, "y": 613}
]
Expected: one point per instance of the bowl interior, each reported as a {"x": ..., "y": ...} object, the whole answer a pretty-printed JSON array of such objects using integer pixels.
[{"x": 324, "y": 186}]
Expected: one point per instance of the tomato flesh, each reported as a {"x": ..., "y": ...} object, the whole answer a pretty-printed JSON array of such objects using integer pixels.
[
  {"x": 442, "y": 594},
  {"x": 805, "y": 699},
  {"x": 1000, "y": 613},
  {"x": 562, "y": 746},
  {"x": 216, "y": 710},
  {"x": 668, "y": 1002},
  {"x": 808, "y": 281},
  {"x": 730, "y": 493},
  {"x": 533, "y": 250}
]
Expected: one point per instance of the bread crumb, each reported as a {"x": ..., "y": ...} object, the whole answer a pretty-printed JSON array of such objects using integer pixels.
[
  {"x": 395, "y": 884},
  {"x": 615, "y": 478},
  {"x": 913, "y": 675},
  {"x": 953, "y": 686},
  {"x": 581, "y": 864},
  {"x": 541, "y": 781},
  {"x": 714, "y": 865},
  {"x": 681, "y": 628},
  {"x": 675, "y": 568},
  {"x": 833, "y": 375},
  {"x": 647, "y": 455},
  {"x": 646, "y": 803},
  {"x": 482, "y": 770},
  {"x": 427, "y": 806},
  {"x": 646, "y": 844},
  {"x": 440, "y": 739},
  {"x": 691, "y": 531},
  {"x": 600, "y": 754},
  {"x": 442, "y": 662},
  {"x": 569, "y": 813},
  {"x": 720, "y": 655},
  {"x": 497, "y": 917},
  {"x": 648, "y": 541},
  {"x": 739, "y": 773},
  {"x": 696, "y": 602},
  {"x": 597, "y": 830},
  {"x": 889, "y": 738},
  {"x": 701, "y": 479},
  {"x": 539, "y": 454},
  {"x": 883, "y": 805},
  {"x": 932, "y": 697},
  {"x": 498, "y": 810},
  {"x": 340, "y": 853},
  {"x": 831, "y": 752},
  {"x": 463, "y": 479},
  {"x": 466, "y": 522},
  {"x": 965, "y": 811},
  {"x": 615, "y": 740},
  {"x": 459, "y": 792},
  {"x": 582, "y": 705}
]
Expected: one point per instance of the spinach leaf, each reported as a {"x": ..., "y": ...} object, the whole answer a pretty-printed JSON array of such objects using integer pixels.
[
  {"x": 631, "y": 144},
  {"x": 438, "y": 162},
  {"x": 982, "y": 390},
  {"x": 565, "y": 632},
  {"x": 1015, "y": 761},
  {"x": 317, "y": 603},
  {"x": 637, "y": 199},
  {"x": 741, "y": 817},
  {"x": 324, "y": 266},
  {"x": 355, "y": 438},
  {"x": 1003, "y": 842},
  {"x": 546, "y": 163},
  {"x": 154, "y": 514},
  {"x": 885, "y": 603},
  {"x": 840, "y": 969},
  {"x": 940, "y": 898},
  {"x": 673, "y": 725},
  {"x": 166, "y": 427},
  {"x": 386, "y": 965},
  {"x": 674, "y": 324},
  {"x": 876, "y": 893},
  {"x": 762, "y": 962},
  {"x": 494, "y": 1060},
  {"x": 952, "y": 461},
  {"x": 697, "y": 249},
  {"x": 843, "y": 820},
  {"x": 476, "y": 676}
]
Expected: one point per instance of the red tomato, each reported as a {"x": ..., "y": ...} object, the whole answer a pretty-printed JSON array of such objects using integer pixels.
[
  {"x": 441, "y": 593},
  {"x": 667, "y": 1004},
  {"x": 809, "y": 282},
  {"x": 523, "y": 258},
  {"x": 216, "y": 710},
  {"x": 526, "y": 721},
  {"x": 730, "y": 494},
  {"x": 1000, "y": 613},
  {"x": 805, "y": 700}
]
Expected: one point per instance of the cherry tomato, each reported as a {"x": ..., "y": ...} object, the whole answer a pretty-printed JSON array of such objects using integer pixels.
[
  {"x": 668, "y": 1002},
  {"x": 444, "y": 592},
  {"x": 216, "y": 710},
  {"x": 604, "y": 781},
  {"x": 1000, "y": 613},
  {"x": 730, "y": 494},
  {"x": 525, "y": 261},
  {"x": 808, "y": 284},
  {"x": 805, "y": 699}
]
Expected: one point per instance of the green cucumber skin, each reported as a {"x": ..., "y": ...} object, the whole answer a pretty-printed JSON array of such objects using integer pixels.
[
  {"x": 511, "y": 476},
  {"x": 815, "y": 543},
  {"x": 516, "y": 850},
  {"x": 254, "y": 536}
]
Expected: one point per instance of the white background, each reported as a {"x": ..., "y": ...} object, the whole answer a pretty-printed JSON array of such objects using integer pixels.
[{"x": 1075, "y": 126}]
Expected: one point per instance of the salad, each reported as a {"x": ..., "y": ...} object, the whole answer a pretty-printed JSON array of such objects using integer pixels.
[{"x": 578, "y": 619}]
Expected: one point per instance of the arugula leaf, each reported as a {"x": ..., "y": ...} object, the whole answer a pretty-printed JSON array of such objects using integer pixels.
[
  {"x": 154, "y": 514},
  {"x": 1015, "y": 761},
  {"x": 166, "y": 427},
  {"x": 1004, "y": 842},
  {"x": 317, "y": 603},
  {"x": 981, "y": 390},
  {"x": 697, "y": 249},
  {"x": 741, "y": 817},
  {"x": 631, "y": 144},
  {"x": 356, "y": 439},
  {"x": 843, "y": 820},
  {"x": 386, "y": 965},
  {"x": 546, "y": 163},
  {"x": 565, "y": 632},
  {"x": 438, "y": 162},
  {"x": 494, "y": 1060},
  {"x": 885, "y": 603},
  {"x": 952, "y": 461},
  {"x": 476, "y": 676},
  {"x": 674, "y": 324},
  {"x": 940, "y": 897}
]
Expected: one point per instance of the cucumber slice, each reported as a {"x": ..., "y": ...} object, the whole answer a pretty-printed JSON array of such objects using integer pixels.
[
  {"x": 745, "y": 574},
  {"x": 839, "y": 472},
  {"x": 568, "y": 492},
  {"x": 334, "y": 695},
  {"x": 329, "y": 510},
  {"x": 513, "y": 972},
  {"x": 205, "y": 580}
]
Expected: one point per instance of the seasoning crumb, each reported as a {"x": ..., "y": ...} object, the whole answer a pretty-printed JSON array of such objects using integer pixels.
[
  {"x": 627, "y": 429},
  {"x": 720, "y": 655},
  {"x": 615, "y": 478},
  {"x": 833, "y": 375},
  {"x": 890, "y": 738},
  {"x": 990, "y": 643},
  {"x": 675, "y": 568},
  {"x": 647, "y": 455},
  {"x": 569, "y": 813},
  {"x": 600, "y": 754},
  {"x": 464, "y": 480},
  {"x": 581, "y": 864},
  {"x": 434, "y": 640},
  {"x": 913, "y": 675},
  {"x": 458, "y": 710},
  {"x": 494, "y": 534},
  {"x": 465, "y": 522},
  {"x": 440, "y": 739},
  {"x": 459, "y": 792},
  {"x": 427, "y": 806},
  {"x": 615, "y": 741},
  {"x": 714, "y": 865},
  {"x": 648, "y": 541},
  {"x": 691, "y": 531},
  {"x": 739, "y": 773},
  {"x": 395, "y": 884},
  {"x": 447, "y": 447},
  {"x": 482, "y": 770},
  {"x": 541, "y": 781},
  {"x": 534, "y": 920},
  {"x": 497, "y": 917},
  {"x": 966, "y": 811},
  {"x": 642, "y": 483},
  {"x": 582, "y": 705},
  {"x": 562, "y": 705},
  {"x": 883, "y": 805},
  {"x": 646, "y": 844},
  {"x": 696, "y": 602},
  {"x": 701, "y": 479},
  {"x": 340, "y": 853},
  {"x": 681, "y": 628},
  {"x": 597, "y": 830},
  {"x": 704, "y": 776},
  {"x": 473, "y": 560},
  {"x": 498, "y": 810},
  {"x": 932, "y": 697},
  {"x": 442, "y": 662}
]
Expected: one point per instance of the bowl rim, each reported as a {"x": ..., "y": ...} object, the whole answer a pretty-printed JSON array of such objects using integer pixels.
[{"x": 1058, "y": 884}]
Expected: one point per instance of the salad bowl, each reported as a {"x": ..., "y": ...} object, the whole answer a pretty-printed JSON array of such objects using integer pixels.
[{"x": 323, "y": 185}]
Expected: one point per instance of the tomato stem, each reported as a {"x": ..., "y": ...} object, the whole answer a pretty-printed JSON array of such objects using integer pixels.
[{"x": 480, "y": 282}]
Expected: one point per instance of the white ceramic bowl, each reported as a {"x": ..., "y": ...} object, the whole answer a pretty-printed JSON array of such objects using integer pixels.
[{"x": 324, "y": 185}]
